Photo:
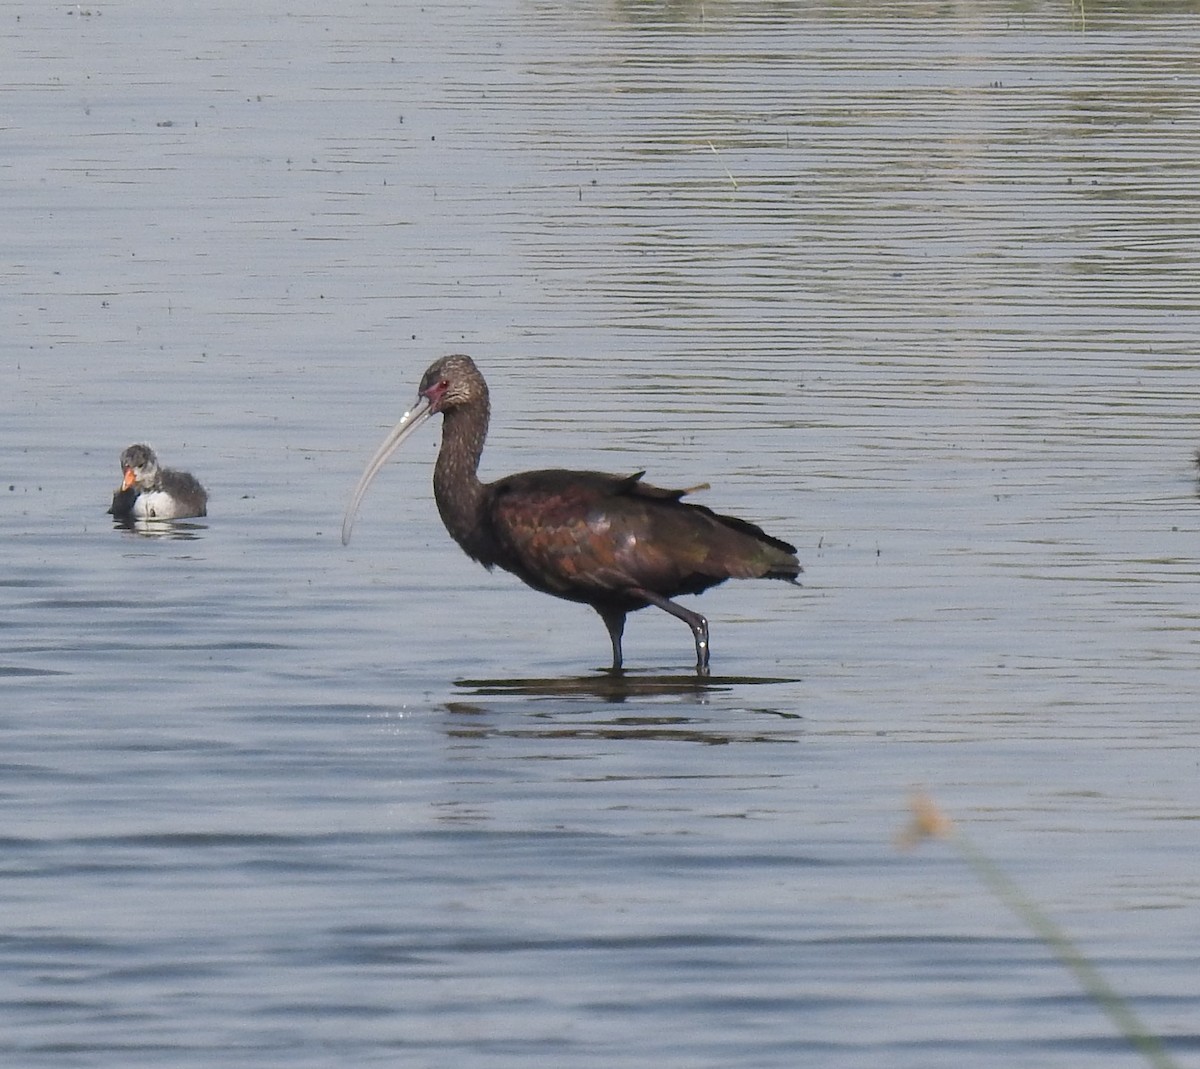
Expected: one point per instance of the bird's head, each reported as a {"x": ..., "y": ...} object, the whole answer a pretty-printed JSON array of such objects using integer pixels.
[
  {"x": 139, "y": 466},
  {"x": 451, "y": 382}
]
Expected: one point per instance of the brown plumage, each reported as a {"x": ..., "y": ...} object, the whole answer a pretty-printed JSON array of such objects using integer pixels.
[{"x": 609, "y": 541}]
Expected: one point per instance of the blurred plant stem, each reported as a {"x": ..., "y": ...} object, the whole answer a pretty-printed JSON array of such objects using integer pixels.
[{"x": 929, "y": 822}]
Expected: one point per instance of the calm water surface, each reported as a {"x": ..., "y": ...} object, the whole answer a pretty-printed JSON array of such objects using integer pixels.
[{"x": 913, "y": 287}]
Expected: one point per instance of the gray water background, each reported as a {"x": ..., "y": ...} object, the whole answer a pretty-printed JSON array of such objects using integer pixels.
[{"x": 912, "y": 285}]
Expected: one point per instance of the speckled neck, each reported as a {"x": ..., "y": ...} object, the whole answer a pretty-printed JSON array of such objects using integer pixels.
[{"x": 459, "y": 494}]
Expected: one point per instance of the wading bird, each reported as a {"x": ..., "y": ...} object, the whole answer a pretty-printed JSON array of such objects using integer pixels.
[
  {"x": 148, "y": 492},
  {"x": 609, "y": 541}
]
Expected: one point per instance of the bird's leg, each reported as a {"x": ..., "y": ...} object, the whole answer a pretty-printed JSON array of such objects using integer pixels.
[
  {"x": 614, "y": 620},
  {"x": 694, "y": 620}
]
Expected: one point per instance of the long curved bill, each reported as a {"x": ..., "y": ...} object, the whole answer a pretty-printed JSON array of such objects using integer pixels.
[{"x": 411, "y": 420}]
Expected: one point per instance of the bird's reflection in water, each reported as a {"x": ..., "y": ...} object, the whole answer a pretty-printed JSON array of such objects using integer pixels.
[
  {"x": 615, "y": 686},
  {"x": 176, "y": 530},
  {"x": 555, "y": 711}
]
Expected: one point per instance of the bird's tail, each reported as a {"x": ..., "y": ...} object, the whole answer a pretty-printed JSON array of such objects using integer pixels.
[{"x": 783, "y": 565}]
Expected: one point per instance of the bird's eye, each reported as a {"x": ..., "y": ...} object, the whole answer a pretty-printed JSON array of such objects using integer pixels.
[{"x": 435, "y": 391}]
